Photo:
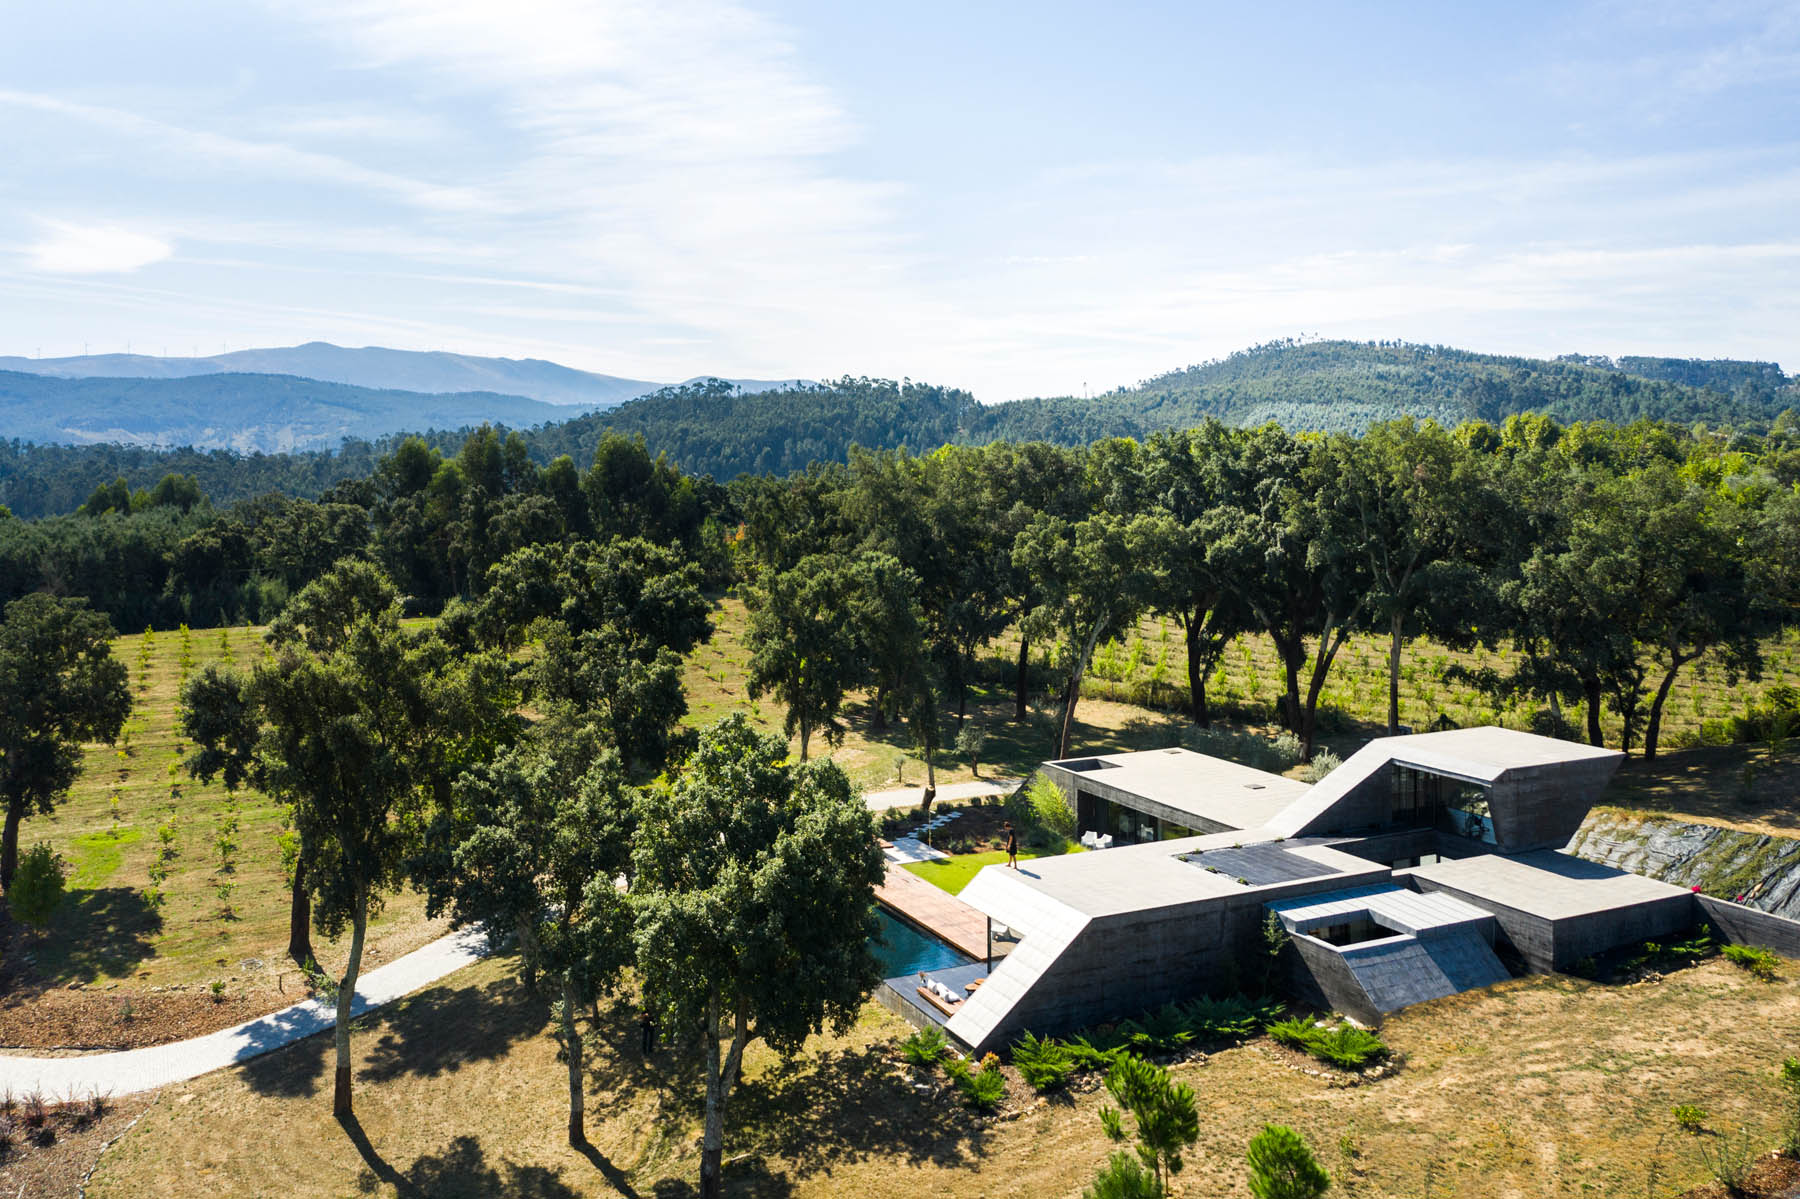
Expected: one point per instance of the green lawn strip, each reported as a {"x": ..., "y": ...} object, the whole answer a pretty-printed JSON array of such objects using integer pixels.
[
  {"x": 95, "y": 856},
  {"x": 954, "y": 873}
]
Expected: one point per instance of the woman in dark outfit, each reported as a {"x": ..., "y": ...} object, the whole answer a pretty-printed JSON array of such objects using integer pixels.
[{"x": 1012, "y": 845}]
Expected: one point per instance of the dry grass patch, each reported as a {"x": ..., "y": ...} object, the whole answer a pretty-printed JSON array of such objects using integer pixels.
[{"x": 1543, "y": 1086}]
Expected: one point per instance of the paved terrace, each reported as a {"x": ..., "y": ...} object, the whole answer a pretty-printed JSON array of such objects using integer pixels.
[{"x": 935, "y": 910}]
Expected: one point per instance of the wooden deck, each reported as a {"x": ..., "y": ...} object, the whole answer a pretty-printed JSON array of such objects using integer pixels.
[{"x": 934, "y": 909}]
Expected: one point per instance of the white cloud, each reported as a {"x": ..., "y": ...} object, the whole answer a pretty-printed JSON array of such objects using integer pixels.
[{"x": 67, "y": 249}]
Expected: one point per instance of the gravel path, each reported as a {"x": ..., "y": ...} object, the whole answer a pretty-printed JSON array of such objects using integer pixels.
[
  {"x": 132, "y": 1070},
  {"x": 911, "y": 797}
]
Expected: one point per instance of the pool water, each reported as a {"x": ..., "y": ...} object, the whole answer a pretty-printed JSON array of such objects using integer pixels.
[{"x": 903, "y": 949}]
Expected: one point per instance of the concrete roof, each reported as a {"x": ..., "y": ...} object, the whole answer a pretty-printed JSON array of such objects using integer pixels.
[
  {"x": 1394, "y": 906},
  {"x": 1133, "y": 878},
  {"x": 1209, "y": 788},
  {"x": 1548, "y": 883},
  {"x": 1485, "y": 753}
]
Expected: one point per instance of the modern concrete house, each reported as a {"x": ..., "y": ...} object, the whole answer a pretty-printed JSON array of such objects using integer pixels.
[{"x": 1423, "y": 866}]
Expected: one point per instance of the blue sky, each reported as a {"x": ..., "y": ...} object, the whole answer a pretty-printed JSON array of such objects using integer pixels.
[{"x": 1016, "y": 198}]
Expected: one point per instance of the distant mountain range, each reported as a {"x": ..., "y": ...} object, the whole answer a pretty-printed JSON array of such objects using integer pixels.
[
  {"x": 289, "y": 398},
  {"x": 723, "y": 429}
]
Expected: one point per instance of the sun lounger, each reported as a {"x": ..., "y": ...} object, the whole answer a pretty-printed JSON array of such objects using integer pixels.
[{"x": 937, "y": 1001}]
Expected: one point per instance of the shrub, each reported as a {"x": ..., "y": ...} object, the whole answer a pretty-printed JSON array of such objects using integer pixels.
[
  {"x": 1690, "y": 1117},
  {"x": 1728, "y": 1159},
  {"x": 37, "y": 887},
  {"x": 1288, "y": 748},
  {"x": 981, "y": 1089},
  {"x": 1160, "y": 1031},
  {"x": 970, "y": 741},
  {"x": 1347, "y": 1047},
  {"x": 1123, "y": 1177},
  {"x": 1086, "y": 1054},
  {"x": 9, "y": 1136},
  {"x": 1167, "y": 1120},
  {"x": 1231, "y": 1018},
  {"x": 1044, "y": 1064},
  {"x": 1754, "y": 958},
  {"x": 925, "y": 1047},
  {"x": 1046, "y": 808},
  {"x": 1282, "y": 1166},
  {"x": 1322, "y": 764},
  {"x": 1296, "y": 1032}
]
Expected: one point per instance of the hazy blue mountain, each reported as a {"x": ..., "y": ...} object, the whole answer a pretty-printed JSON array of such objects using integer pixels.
[
  {"x": 249, "y": 413},
  {"x": 370, "y": 366}
]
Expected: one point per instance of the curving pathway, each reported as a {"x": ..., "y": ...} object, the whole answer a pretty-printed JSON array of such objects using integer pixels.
[{"x": 129, "y": 1071}]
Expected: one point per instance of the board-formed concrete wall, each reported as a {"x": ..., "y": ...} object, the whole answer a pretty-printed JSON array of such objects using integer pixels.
[
  {"x": 1747, "y": 926},
  {"x": 1541, "y": 807},
  {"x": 1546, "y": 945},
  {"x": 1123, "y": 965}
]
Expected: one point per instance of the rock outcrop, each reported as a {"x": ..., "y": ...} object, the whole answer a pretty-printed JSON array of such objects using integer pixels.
[{"x": 1764, "y": 870}]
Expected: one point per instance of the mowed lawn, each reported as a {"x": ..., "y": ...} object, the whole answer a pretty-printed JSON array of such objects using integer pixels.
[
  {"x": 955, "y": 872},
  {"x": 1542, "y": 1086}
]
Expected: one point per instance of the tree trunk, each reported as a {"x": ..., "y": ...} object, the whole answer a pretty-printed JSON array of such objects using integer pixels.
[
  {"x": 1591, "y": 687},
  {"x": 878, "y": 720},
  {"x": 1653, "y": 727},
  {"x": 1019, "y": 711},
  {"x": 300, "y": 918},
  {"x": 340, "y": 1103},
  {"x": 1074, "y": 696},
  {"x": 720, "y": 1078},
  {"x": 1290, "y": 668},
  {"x": 805, "y": 736},
  {"x": 1394, "y": 676},
  {"x": 572, "y": 1042},
  {"x": 9, "y": 843},
  {"x": 1196, "y": 672}
]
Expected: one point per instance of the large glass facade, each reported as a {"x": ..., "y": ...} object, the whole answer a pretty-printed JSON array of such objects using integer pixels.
[
  {"x": 1422, "y": 799},
  {"x": 1126, "y": 826}
]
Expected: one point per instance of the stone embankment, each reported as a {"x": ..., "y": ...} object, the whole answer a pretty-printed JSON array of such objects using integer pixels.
[{"x": 1725, "y": 862}]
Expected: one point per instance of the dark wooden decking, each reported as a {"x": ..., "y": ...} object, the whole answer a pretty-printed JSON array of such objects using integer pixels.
[{"x": 935, "y": 910}]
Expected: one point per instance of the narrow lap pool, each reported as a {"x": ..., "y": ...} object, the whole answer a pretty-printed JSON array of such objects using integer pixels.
[{"x": 903, "y": 949}]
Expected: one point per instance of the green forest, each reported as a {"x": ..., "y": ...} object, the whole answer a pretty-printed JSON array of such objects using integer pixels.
[{"x": 709, "y": 428}]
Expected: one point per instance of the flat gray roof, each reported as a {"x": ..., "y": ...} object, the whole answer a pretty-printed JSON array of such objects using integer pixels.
[
  {"x": 1204, "y": 787},
  {"x": 1408, "y": 911},
  {"x": 1487, "y": 752},
  {"x": 1133, "y": 878},
  {"x": 1548, "y": 883}
]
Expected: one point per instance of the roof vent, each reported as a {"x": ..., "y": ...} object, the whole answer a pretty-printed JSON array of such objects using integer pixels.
[{"x": 1253, "y": 787}]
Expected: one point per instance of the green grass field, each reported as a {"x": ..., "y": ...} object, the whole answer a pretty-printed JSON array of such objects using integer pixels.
[{"x": 220, "y": 905}]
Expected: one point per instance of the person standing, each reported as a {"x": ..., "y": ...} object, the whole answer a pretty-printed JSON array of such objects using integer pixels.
[{"x": 1012, "y": 845}]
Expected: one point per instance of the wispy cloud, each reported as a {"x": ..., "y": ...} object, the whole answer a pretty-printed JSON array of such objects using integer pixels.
[{"x": 69, "y": 249}]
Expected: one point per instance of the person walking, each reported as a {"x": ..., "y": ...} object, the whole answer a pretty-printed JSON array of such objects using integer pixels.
[{"x": 1012, "y": 845}]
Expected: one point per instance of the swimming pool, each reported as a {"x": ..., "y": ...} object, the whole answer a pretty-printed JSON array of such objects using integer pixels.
[{"x": 903, "y": 949}]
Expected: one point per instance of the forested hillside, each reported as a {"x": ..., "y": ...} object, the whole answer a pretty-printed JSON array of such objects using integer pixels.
[{"x": 715, "y": 428}]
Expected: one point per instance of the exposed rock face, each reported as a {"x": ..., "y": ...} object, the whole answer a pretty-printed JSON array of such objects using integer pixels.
[{"x": 1765, "y": 870}]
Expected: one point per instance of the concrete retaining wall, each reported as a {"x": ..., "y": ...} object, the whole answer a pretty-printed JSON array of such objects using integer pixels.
[
  {"x": 1547, "y": 945},
  {"x": 1747, "y": 926}
]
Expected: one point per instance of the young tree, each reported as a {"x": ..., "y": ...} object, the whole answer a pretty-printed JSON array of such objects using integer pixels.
[
  {"x": 37, "y": 889},
  {"x": 753, "y": 890},
  {"x": 545, "y": 832},
  {"x": 1123, "y": 1177},
  {"x": 1167, "y": 1121},
  {"x": 803, "y": 647},
  {"x": 1283, "y": 1167},
  {"x": 59, "y": 686}
]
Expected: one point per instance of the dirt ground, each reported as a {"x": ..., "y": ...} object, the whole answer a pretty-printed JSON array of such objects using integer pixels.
[{"x": 1544, "y": 1086}]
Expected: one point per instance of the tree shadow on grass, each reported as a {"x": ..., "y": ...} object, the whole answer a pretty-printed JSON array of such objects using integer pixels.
[
  {"x": 294, "y": 1071},
  {"x": 461, "y": 1171},
  {"x": 438, "y": 1031},
  {"x": 103, "y": 932},
  {"x": 847, "y": 1105}
]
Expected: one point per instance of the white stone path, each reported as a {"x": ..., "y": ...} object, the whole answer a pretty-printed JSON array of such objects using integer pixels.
[
  {"x": 132, "y": 1070},
  {"x": 912, "y": 797}
]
